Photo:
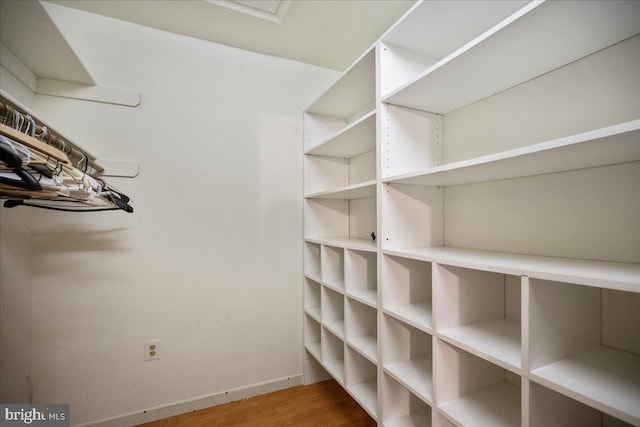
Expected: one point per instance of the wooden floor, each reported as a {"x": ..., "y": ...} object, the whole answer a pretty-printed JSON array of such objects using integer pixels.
[{"x": 322, "y": 404}]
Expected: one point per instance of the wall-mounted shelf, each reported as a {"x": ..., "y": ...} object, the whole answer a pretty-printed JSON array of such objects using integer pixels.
[
  {"x": 611, "y": 275},
  {"x": 355, "y": 191},
  {"x": 606, "y": 146},
  {"x": 516, "y": 50},
  {"x": 357, "y": 138},
  {"x": 345, "y": 242}
]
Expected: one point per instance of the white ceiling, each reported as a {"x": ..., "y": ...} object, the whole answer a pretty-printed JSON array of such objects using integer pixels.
[{"x": 328, "y": 33}]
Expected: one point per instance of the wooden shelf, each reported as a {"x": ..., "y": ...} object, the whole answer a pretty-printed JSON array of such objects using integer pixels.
[
  {"x": 537, "y": 39},
  {"x": 355, "y": 191},
  {"x": 496, "y": 340},
  {"x": 604, "y": 378},
  {"x": 52, "y": 56},
  {"x": 496, "y": 406},
  {"x": 606, "y": 146},
  {"x": 366, "y": 394},
  {"x": 417, "y": 314},
  {"x": 416, "y": 375},
  {"x": 366, "y": 346},
  {"x": 345, "y": 242},
  {"x": 354, "y": 90},
  {"x": 611, "y": 275},
  {"x": 416, "y": 419},
  {"x": 357, "y": 138}
]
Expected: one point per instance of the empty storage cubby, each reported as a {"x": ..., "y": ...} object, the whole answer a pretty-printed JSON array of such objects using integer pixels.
[
  {"x": 342, "y": 222},
  {"x": 479, "y": 311},
  {"x": 412, "y": 217},
  {"x": 362, "y": 329},
  {"x": 361, "y": 276},
  {"x": 312, "y": 337},
  {"x": 473, "y": 392},
  {"x": 312, "y": 299},
  {"x": 333, "y": 267},
  {"x": 411, "y": 140},
  {"x": 406, "y": 290},
  {"x": 401, "y": 408},
  {"x": 408, "y": 357},
  {"x": 584, "y": 343},
  {"x": 334, "y": 177},
  {"x": 312, "y": 261},
  {"x": 343, "y": 160},
  {"x": 333, "y": 311},
  {"x": 333, "y": 355},
  {"x": 548, "y": 408},
  {"x": 362, "y": 381}
]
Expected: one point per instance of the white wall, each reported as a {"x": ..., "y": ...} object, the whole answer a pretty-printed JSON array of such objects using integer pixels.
[
  {"x": 210, "y": 262},
  {"x": 15, "y": 307}
]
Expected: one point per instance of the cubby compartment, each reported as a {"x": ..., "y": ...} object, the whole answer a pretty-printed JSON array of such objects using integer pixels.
[
  {"x": 338, "y": 222},
  {"x": 584, "y": 344},
  {"x": 401, "y": 408},
  {"x": 361, "y": 276},
  {"x": 362, "y": 329},
  {"x": 548, "y": 408},
  {"x": 333, "y": 267},
  {"x": 333, "y": 355},
  {"x": 474, "y": 392},
  {"x": 333, "y": 311},
  {"x": 411, "y": 140},
  {"x": 312, "y": 299},
  {"x": 406, "y": 291},
  {"x": 340, "y": 177},
  {"x": 312, "y": 261},
  {"x": 351, "y": 98},
  {"x": 362, "y": 381},
  {"x": 408, "y": 357},
  {"x": 479, "y": 311},
  {"x": 412, "y": 218},
  {"x": 312, "y": 337}
]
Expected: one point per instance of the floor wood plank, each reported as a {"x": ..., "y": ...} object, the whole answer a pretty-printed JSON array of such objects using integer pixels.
[{"x": 322, "y": 404}]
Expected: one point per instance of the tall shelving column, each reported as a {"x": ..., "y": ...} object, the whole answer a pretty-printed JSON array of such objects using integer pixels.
[{"x": 340, "y": 217}]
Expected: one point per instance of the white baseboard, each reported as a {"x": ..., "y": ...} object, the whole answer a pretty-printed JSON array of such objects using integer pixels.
[{"x": 196, "y": 404}]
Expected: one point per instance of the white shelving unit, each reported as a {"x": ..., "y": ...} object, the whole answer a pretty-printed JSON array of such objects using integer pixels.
[{"x": 493, "y": 148}]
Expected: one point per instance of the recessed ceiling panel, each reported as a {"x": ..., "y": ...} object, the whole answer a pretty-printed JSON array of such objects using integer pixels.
[{"x": 271, "y": 10}]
